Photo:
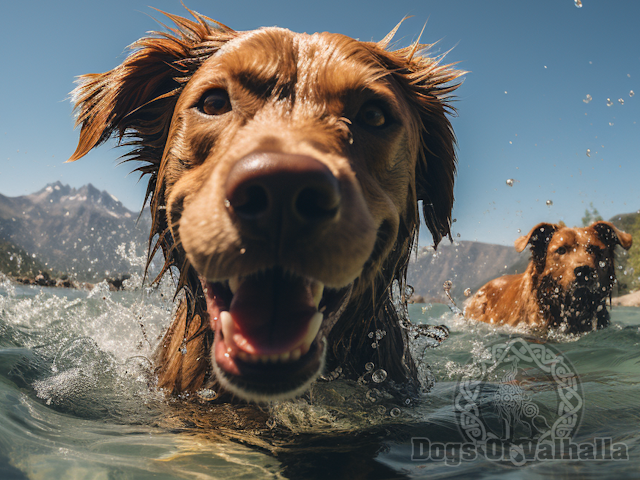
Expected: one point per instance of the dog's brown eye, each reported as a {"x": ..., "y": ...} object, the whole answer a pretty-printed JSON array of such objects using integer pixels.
[
  {"x": 561, "y": 251},
  {"x": 372, "y": 115},
  {"x": 215, "y": 102}
]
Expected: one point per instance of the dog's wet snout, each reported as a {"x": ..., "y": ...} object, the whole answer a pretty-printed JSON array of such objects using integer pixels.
[
  {"x": 267, "y": 190},
  {"x": 584, "y": 274}
]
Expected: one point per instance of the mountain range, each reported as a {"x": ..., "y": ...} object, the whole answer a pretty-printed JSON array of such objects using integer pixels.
[
  {"x": 87, "y": 233},
  {"x": 74, "y": 231}
]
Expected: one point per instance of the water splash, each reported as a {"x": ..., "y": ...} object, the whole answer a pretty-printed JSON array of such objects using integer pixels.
[
  {"x": 587, "y": 99},
  {"x": 578, "y": 3},
  {"x": 588, "y": 152}
]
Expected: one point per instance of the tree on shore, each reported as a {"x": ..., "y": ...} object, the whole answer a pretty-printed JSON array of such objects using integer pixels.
[{"x": 590, "y": 216}]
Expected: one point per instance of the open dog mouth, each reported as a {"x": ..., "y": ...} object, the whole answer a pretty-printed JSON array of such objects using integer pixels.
[{"x": 269, "y": 332}]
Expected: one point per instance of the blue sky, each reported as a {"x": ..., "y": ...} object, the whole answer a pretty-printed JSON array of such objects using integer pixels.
[{"x": 521, "y": 112}]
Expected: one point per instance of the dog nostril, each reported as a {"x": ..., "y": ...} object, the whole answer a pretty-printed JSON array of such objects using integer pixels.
[
  {"x": 584, "y": 273},
  {"x": 317, "y": 203},
  {"x": 251, "y": 202}
]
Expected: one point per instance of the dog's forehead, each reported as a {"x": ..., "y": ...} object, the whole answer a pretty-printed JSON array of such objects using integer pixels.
[
  {"x": 577, "y": 237},
  {"x": 325, "y": 64}
]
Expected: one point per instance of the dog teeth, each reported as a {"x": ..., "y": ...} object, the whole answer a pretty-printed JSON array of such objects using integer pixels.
[
  {"x": 312, "y": 331},
  {"x": 234, "y": 284},
  {"x": 317, "y": 289},
  {"x": 227, "y": 324}
]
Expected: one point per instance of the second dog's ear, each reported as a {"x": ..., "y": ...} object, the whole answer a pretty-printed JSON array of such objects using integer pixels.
[
  {"x": 611, "y": 236},
  {"x": 540, "y": 235},
  {"x": 539, "y": 238}
]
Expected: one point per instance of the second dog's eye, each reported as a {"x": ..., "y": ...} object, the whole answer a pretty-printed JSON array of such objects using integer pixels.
[
  {"x": 372, "y": 115},
  {"x": 215, "y": 102},
  {"x": 561, "y": 251}
]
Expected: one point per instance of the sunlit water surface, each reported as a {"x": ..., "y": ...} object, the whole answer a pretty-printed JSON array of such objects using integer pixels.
[{"x": 77, "y": 401}]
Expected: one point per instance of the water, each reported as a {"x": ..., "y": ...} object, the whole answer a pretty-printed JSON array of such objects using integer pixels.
[{"x": 77, "y": 402}]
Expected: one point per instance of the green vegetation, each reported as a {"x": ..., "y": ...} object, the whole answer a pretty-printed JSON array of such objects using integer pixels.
[
  {"x": 628, "y": 262},
  {"x": 591, "y": 216},
  {"x": 15, "y": 262}
]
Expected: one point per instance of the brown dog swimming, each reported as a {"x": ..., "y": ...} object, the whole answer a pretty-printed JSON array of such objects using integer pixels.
[
  {"x": 567, "y": 282},
  {"x": 285, "y": 174}
]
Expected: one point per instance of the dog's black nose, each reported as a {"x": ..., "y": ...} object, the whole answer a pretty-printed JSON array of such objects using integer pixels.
[
  {"x": 271, "y": 192},
  {"x": 584, "y": 274}
]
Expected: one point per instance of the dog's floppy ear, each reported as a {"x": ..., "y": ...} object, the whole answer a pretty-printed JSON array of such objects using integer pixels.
[
  {"x": 427, "y": 85},
  {"x": 136, "y": 99},
  {"x": 611, "y": 236},
  {"x": 540, "y": 235},
  {"x": 539, "y": 238}
]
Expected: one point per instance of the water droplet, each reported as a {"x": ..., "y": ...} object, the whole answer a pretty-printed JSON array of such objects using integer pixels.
[
  {"x": 380, "y": 334},
  {"x": 588, "y": 152},
  {"x": 379, "y": 376},
  {"x": 458, "y": 235},
  {"x": 395, "y": 412},
  {"x": 587, "y": 99},
  {"x": 549, "y": 202},
  {"x": 467, "y": 292},
  {"x": 381, "y": 410},
  {"x": 369, "y": 366},
  {"x": 602, "y": 264},
  {"x": 207, "y": 394},
  {"x": 227, "y": 203},
  {"x": 609, "y": 102},
  {"x": 578, "y": 3},
  {"x": 243, "y": 251},
  {"x": 371, "y": 396},
  {"x": 611, "y": 124},
  {"x": 374, "y": 345},
  {"x": 510, "y": 181},
  {"x": 519, "y": 231},
  {"x": 631, "y": 94},
  {"x": 621, "y": 101},
  {"x": 370, "y": 335},
  {"x": 271, "y": 423},
  {"x": 407, "y": 401}
]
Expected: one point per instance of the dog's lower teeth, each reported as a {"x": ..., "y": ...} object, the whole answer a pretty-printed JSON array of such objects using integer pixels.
[{"x": 291, "y": 356}]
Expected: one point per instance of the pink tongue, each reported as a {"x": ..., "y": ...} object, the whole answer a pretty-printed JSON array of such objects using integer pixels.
[{"x": 271, "y": 312}]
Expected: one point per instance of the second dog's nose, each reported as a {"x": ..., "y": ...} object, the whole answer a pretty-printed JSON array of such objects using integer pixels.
[
  {"x": 584, "y": 274},
  {"x": 277, "y": 190}
]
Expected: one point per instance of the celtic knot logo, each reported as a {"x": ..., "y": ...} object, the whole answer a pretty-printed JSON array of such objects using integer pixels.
[
  {"x": 518, "y": 402},
  {"x": 494, "y": 400}
]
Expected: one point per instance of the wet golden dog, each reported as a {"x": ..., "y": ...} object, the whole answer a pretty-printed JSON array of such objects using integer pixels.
[
  {"x": 285, "y": 174},
  {"x": 566, "y": 284}
]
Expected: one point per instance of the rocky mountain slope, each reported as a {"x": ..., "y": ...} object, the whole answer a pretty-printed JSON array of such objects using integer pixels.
[{"x": 74, "y": 231}]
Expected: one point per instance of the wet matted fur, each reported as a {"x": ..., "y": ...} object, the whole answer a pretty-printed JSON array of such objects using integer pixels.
[
  {"x": 566, "y": 284},
  {"x": 362, "y": 128}
]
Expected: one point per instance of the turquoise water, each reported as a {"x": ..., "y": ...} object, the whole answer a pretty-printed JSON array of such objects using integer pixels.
[{"x": 76, "y": 401}]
